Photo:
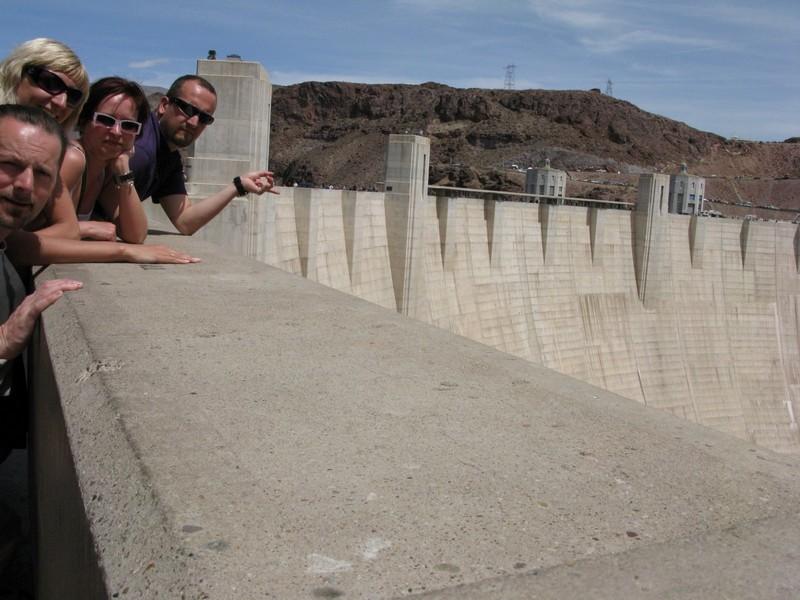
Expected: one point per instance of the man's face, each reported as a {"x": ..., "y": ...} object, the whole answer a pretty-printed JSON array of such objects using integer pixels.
[
  {"x": 28, "y": 172},
  {"x": 179, "y": 128}
]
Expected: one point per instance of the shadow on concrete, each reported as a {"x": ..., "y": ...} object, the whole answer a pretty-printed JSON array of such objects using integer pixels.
[{"x": 16, "y": 550}]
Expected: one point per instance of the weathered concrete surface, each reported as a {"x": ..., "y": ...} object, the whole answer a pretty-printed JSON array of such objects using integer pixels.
[
  {"x": 240, "y": 432},
  {"x": 752, "y": 561}
]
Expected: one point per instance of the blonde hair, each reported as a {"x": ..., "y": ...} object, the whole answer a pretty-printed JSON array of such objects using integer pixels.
[{"x": 47, "y": 53}]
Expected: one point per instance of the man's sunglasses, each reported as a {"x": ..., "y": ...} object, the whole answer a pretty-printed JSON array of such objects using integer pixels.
[
  {"x": 125, "y": 125},
  {"x": 52, "y": 84},
  {"x": 191, "y": 110}
]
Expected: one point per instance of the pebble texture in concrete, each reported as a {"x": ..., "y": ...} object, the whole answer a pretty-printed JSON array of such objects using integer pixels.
[{"x": 241, "y": 432}]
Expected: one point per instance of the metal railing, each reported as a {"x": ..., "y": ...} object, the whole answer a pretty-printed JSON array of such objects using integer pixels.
[{"x": 540, "y": 198}]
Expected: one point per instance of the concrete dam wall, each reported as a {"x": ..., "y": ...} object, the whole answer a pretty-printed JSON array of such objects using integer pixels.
[{"x": 695, "y": 316}]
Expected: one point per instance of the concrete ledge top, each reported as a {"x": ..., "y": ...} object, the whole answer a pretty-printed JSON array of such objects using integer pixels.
[{"x": 239, "y": 432}]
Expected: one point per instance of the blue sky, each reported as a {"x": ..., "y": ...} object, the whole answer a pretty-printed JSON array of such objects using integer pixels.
[{"x": 727, "y": 66}]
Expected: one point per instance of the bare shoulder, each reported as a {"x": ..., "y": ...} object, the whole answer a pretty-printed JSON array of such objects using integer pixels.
[{"x": 73, "y": 165}]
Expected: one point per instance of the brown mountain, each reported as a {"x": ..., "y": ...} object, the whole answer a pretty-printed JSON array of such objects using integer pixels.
[{"x": 335, "y": 134}]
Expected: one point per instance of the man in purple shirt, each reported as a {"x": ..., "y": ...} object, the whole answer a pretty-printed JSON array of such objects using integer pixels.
[{"x": 156, "y": 165}]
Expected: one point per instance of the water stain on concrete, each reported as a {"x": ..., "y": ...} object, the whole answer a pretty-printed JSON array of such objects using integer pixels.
[
  {"x": 323, "y": 565},
  {"x": 327, "y": 592},
  {"x": 373, "y": 546},
  {"x": 217, "y": 545}
]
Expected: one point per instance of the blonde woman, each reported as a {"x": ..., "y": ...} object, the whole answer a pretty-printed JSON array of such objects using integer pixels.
[{"x": 47, "y": 74}]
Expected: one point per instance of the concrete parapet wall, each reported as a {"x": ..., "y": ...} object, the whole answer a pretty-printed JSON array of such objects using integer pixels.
[
  {"x": 692, "y": 315},
  {"x": 226, "y": 430}
]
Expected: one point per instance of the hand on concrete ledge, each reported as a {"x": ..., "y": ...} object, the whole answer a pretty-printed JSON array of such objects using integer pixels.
[
  {"x": 14, "y": 333},
  {"x": 259, "y": 182},
  {"x": 140, "y": 253}
]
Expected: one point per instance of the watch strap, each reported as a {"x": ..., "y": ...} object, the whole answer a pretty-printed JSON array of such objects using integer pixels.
[
  {"x": 119, "y": 179},
  {"x": 237, "y": 183}
]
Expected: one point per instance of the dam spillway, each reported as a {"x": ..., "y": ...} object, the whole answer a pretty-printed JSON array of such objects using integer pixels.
[{"x": 704, "y": 324}]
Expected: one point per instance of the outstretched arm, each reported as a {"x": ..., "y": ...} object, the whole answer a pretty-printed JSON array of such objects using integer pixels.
[
  {"x": 14, "y": 333},
  {"x": 188, "y": 217},
  {"x": 30, "y": 250}
]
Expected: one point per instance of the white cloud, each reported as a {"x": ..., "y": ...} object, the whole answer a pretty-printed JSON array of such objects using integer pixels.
[
  {"x": 579, "y": 14},
  {"x": 752, "y": 16},
  {"x": 617, "y": 43},
  {"x": 290, "y": 77},
  {"x": 610, "y": 26},
  {"x": 159, "y": 79},
  {"x": 148, "y": 64}
]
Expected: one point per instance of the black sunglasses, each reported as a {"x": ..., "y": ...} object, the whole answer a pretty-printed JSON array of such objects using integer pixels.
[
  {"x": 191, "y": 110},
  {"x": 52, "y": 84}
]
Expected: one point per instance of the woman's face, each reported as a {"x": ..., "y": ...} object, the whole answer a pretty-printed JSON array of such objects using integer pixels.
[
  {"x": 33, "y": 91},
  {"x": 104, "y": 138}
]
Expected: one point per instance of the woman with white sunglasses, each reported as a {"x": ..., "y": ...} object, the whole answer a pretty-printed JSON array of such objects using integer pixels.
[{"x": 96, "y": 169}]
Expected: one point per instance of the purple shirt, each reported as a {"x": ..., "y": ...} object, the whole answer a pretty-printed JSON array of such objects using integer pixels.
[{"x": 157, "y": 170}]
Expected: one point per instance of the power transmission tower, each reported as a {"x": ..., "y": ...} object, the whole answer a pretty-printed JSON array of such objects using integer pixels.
[
  {"x": 609, "y": 88},
  {"x": 509, "y": 82}
]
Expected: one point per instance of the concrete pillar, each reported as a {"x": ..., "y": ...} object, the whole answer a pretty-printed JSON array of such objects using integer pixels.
[
  {"x": 488, "y": 213},
  {"x": 797, "y": 248},
  {"x": 596, "y": 223},
  {"x": 238, "y": 140},
  {"x": 304, "y": 223},
  {"x": 649, "y": 229},
  {"x": 443, "y": 205},
  {"x": 697, "y": 238},
  {"x": 406, "y": 180},
  {"x": 746, "y": 243},
  {"x": 349, "y": 207},
  {"x": 544, "y": 222}
]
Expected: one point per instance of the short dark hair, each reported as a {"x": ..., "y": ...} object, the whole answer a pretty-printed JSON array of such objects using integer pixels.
[
  {"x": 176, "y": 86},
  {"x": 111, "y": 86},
  {"x": 33, "y": 115}
]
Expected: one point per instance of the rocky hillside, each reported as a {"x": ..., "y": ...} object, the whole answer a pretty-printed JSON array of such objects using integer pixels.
[{"x": 335, "y": 134}]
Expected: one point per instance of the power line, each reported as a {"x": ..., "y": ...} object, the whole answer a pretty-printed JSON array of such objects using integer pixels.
[{"x": 609, "y": 88}]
